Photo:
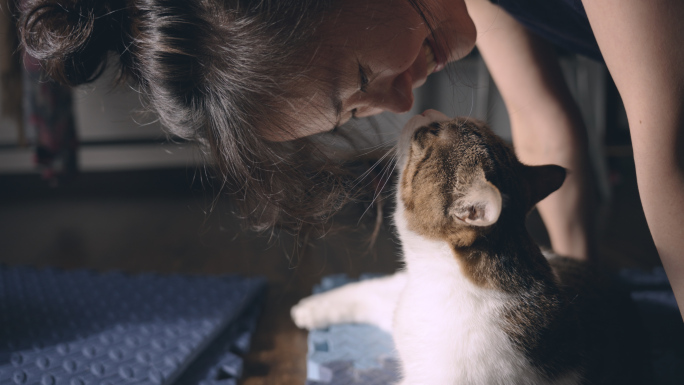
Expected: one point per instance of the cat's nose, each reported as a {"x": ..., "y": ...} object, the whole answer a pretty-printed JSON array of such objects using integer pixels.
[
  {"x": 427, "y": 117},
  {"x": 435, "y": 116}
]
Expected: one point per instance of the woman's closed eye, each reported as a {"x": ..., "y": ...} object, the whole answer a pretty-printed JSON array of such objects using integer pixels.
[{"x": 364, "y": 78}]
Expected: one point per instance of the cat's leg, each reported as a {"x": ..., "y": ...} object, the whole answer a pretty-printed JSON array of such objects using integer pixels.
[{"x": 372, "y": 301}]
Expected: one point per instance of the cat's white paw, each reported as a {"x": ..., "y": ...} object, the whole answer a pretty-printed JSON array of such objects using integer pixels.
[
  {"x": 319, "y": 311},
  {"x": 371, "y": 301},
  {"x": 304, "y": 314}
]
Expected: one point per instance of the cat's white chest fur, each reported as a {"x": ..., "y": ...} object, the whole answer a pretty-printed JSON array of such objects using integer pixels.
[{"x": 448, "y": 330}]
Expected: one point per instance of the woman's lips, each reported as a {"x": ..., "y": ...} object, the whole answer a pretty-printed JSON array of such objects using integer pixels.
[
  {"x": 431, "y": 64},
  {"x": 438, "y": 57}
]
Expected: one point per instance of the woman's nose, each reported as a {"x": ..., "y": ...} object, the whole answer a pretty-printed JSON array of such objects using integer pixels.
[{"x": 396, "y": 96}]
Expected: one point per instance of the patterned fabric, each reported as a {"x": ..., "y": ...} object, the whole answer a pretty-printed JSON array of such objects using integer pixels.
[
  {"x": 49, "y": 123},
  {"x": 563, "y": 22}
]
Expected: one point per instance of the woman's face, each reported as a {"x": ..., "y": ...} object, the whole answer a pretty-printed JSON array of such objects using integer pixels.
[{"x": 373, "y": 54}]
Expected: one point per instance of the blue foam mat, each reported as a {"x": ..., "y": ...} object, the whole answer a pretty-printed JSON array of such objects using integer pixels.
[
  {"x": 82, "y": 328},
  {"x": 350, "y": 354}
]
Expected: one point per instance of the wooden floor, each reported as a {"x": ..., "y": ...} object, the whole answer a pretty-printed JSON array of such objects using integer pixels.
[{"x": 156, "y": 222}]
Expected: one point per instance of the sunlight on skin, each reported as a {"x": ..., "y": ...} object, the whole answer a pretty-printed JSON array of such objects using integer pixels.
[{"x": 641, "y": 44}]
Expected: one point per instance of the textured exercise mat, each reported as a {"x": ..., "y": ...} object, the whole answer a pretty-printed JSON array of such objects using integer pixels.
[
  {"x": 349, "y": 354},
  {"x": 84, "y": 328}
]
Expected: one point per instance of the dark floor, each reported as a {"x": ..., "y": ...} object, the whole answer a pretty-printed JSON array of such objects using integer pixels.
[{"x": 156, "y": 221}]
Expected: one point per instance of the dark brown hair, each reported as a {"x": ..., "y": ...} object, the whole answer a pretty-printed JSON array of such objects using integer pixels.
[{"x": 216, "y": 72}]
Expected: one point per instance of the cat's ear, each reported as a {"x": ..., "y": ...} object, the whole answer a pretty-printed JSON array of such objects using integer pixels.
[
  {"x": 480, "y": 206},
  {"x": 543, "y": 180}
]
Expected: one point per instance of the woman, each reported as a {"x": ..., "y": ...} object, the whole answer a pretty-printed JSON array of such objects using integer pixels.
[{"x": 246, "y": 77}]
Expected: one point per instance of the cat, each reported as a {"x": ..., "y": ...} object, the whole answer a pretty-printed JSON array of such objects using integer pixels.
[{"x": 478, "y": 302}]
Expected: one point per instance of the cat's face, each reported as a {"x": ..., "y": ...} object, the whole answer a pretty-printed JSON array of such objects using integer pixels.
[{"x": 458, "y": 178}]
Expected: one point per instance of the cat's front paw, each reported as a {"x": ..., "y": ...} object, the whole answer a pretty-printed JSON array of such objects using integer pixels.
[{"x": 318, "y": 311}]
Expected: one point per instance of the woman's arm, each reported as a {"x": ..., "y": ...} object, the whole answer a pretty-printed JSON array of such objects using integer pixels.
[
  {"x": 642, "y": 43},
  {"x": 546, "y": 123}
]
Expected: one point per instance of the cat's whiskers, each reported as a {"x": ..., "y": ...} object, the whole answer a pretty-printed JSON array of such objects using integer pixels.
[
  {"x": 384, "y": 176},
  {"x": 371, "y": 149},
  {"x": 472, "y": 102},
  {"x": 363, "y": 176}
]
